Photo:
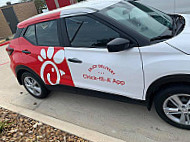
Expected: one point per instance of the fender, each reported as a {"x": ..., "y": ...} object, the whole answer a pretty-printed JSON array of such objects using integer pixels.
[
  {"x": 20, "y": 69},
  {"x": 164, "y": 82}
]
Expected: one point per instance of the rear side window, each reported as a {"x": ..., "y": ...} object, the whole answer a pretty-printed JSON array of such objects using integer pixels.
[
  {"x": 47, "y": 34},
  {"x": 43, "y": 34},
  {"x": 30, "y": 34}
]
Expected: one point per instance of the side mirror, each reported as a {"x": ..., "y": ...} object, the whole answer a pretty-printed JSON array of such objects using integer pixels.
[{"x": 118, "y": 44}]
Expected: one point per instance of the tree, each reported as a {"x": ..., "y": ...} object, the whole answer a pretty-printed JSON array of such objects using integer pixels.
[
  {"x": 8, "y": 3},
  {"x": 40, "y": 4},
  {"x": 25, "y": 0}
]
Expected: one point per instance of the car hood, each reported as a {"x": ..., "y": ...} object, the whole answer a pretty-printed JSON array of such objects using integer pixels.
[{"x": 182, "y": 40}]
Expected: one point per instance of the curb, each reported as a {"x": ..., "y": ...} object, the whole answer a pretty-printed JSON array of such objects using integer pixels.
[
  {"x": 2, "y": 41},
  {"x": 62, "y": 125}
]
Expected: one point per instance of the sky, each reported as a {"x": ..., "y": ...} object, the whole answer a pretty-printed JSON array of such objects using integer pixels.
[{"x": 3, "y": 2}]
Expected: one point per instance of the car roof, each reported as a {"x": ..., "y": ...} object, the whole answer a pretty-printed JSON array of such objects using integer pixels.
[{"x": 88, "y": 6}]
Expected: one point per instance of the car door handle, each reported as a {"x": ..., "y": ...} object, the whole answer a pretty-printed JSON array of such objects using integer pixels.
[
  {"x": 26, "y": 52},
  {"x": 74, "y": 60}
]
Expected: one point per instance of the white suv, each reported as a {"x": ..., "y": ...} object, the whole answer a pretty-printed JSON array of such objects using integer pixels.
[
  {"x": 169, "y": 6},
  {"x": 116, "y": 46}
]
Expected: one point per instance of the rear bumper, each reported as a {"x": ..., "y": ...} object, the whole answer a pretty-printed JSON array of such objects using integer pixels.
[{"x": 12, "y": 66}]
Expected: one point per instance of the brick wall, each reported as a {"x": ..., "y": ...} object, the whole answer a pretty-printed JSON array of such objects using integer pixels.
[
  {"x": 5, "y": 31},
  {"x": 24, "y": 10}
]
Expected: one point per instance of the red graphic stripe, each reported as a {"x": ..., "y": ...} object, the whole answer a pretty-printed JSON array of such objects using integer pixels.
[
  {"x": 39, "y": 18},
  {"x": 4, "y": 63},
  {"x": 5, "y": 43}
]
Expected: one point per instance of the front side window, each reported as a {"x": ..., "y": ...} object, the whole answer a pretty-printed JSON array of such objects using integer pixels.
[
  {"x": 47, "y": 34},
  {"x": 84, "y": 31},
  {"x": 146, "y": 21},
  {"x": 30, "y": 34}
]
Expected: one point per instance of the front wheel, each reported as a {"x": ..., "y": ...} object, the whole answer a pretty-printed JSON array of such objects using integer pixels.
[
  {"x": 34, "y": 85},
  {"x": 173, "y": 105}
]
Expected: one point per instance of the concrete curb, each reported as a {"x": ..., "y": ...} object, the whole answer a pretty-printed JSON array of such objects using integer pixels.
[
  {"x": 1, "y": 41},
  {"x": 62, "y": 125}
]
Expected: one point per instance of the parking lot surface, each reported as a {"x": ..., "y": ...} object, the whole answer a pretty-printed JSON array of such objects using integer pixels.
[{"x": 92, "y": 110}]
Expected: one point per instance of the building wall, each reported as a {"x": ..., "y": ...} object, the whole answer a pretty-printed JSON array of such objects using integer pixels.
[
  {"x": 25, "y": 10},
  {"x": 5, "y": 30}
]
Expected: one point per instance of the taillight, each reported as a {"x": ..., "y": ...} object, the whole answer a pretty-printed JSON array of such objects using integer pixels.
[{"x": 9, "y": 50}]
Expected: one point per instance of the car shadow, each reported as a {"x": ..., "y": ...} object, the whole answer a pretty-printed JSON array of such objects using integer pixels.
[{"x": 97, "y": 94}]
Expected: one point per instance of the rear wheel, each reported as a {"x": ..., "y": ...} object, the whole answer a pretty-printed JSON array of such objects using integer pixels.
[
  {"x": 34, "y": 85},
  {"x": 173, "y": 105}
]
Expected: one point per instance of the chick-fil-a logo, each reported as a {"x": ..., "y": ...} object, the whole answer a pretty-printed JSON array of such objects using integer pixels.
[{"x": 50, "y": 61}]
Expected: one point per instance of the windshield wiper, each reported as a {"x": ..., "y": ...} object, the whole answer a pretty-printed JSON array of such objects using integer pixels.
[{"x": 161, "y": 37}]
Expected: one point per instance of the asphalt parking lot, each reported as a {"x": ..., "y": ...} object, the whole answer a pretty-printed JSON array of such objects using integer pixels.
[{"x": 126, "y": 121}]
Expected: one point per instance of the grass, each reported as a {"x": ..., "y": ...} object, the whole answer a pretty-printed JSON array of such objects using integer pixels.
[{"x": 3, "y": 125}]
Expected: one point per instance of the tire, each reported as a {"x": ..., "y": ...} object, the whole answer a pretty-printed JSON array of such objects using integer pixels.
[
  {"x": 171, "y": 105},
  {"x": 34, "y": 85}
]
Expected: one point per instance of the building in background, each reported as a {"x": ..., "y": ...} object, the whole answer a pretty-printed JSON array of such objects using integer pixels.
[
  {"x": 54, "y": 4},
  {"x": 11, "y": 15}
]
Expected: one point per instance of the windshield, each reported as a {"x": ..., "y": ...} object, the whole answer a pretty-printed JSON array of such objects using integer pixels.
[{"x": 146, "y": 21}]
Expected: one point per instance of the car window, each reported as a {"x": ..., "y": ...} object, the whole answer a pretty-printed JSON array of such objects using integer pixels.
[
  {"x": 47, "y": 34},
  {"x": 30, "y": 34},
  {"x": 84, "y": 31}
]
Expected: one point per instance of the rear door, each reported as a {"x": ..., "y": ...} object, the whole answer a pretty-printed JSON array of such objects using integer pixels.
[
  {"x": 93, "y": 67},
  {"x": 42, "y": 52}
]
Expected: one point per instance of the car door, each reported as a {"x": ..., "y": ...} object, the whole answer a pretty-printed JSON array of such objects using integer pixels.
[
  {"x": 42, "y": 52},
  {"x": 93, "y": 67}
]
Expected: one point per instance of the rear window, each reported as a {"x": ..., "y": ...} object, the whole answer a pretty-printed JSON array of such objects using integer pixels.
[
  {"x": 43, "y": 34},
  {"x": 47, "y": 33}
]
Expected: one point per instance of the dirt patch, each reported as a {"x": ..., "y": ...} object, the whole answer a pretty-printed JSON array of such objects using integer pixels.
[{"x": 19, "y": 128}]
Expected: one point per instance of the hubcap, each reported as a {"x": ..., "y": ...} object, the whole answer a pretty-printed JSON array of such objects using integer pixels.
[
  {"x": 177, "y": 108},
  {"x": 32, "y": 85}
]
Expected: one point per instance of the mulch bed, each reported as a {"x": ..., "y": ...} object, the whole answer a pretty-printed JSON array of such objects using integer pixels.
[{"x": 19, "y": 128}]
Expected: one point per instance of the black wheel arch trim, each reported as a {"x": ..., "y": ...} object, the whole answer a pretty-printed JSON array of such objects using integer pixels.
[
  {"x": 23, "y": 68},
  {"x": 163, "y": 82}
]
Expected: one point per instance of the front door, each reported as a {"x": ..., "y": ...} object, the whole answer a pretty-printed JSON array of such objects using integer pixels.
[{"x": 93, "y": 67}]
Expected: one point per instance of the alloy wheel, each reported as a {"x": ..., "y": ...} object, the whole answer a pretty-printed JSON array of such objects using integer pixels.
[
  {"x": 33, "y": 86},
  {"x": 177, "y": 108}
]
